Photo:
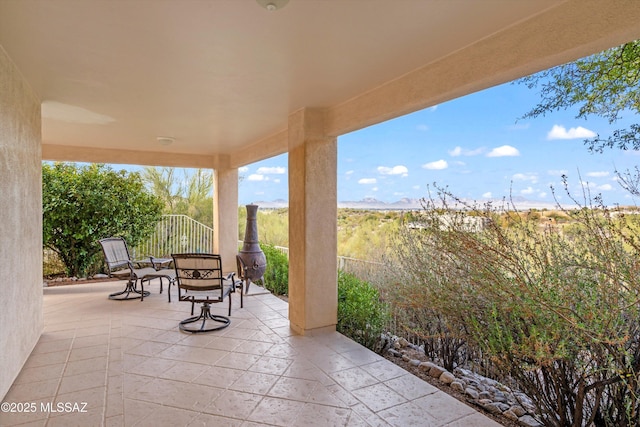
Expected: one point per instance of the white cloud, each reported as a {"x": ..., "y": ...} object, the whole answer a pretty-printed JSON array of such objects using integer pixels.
[
  {"x": 374, "y": 188},
  {"x": 459, "y": 151},
  {"x": 367, "y": 181},
  {"x": 349, "y": 172},
  {"x": 455, "y": 152},
  {"x": 599, "y": 174},
  {"x": 526, "y": 177},
  {"x": 243, "y": 169},
  {"x": 557, "y": 172},
  {"x": 256, "y": 177},
  {"x": 504, "y": 151},
  {"x": 422, "y": 128},
  {"x": 437, "y": 165},
  {"x": 416, "y": 187},
  {"x": 396, "y": 170},
  {"x": 277, "y": 180},
  {"x": 591, "y": 185},
  {"x": 434, "y": 108},
  {"x": 560, "y": 132},
  {"x": 527, "y": 190},
  {"x": 487, "y": 195},
  {"x": 277, "y": 170},
  {"x": 542, "y": 194}
]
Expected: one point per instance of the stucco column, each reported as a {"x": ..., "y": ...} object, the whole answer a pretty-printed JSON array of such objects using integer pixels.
[
  {"x": 21, "y": 316},
  {"x": 225, "y": 216},
  {"x": 313, "y": 280}
]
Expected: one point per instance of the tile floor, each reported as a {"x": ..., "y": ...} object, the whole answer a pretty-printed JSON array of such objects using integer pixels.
[{"x": 125, "y": 363}]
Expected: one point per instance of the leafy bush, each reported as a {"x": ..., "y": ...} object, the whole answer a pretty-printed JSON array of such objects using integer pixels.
[
  {"x": 82, "y": 204},
  {"x": 276, "y": 277},
  {"x": 361, "y": 314},
  {"x": 558, "y": 316}
]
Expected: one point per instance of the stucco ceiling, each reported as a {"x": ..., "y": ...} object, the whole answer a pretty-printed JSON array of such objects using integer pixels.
[{"x": 221, "y": 75}]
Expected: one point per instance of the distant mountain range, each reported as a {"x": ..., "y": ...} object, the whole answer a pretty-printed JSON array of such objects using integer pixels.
[{"x": 371, "y": 203}]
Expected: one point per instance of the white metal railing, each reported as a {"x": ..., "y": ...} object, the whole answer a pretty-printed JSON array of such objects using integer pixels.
[
  {"x": 175, "y": 234},
  {"x": 364, "y": 270}
]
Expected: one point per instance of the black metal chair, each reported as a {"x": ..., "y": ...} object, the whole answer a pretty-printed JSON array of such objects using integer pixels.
[
  {"x": 243, "y": 274},
  {"x": 200, "y": 280},
  {"x": 120, "y": 265}
]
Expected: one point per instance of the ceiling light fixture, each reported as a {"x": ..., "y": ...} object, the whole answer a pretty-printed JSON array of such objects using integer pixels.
[
  {"x": 165, "y": 140},
  {"x": 272, "y": 5}
]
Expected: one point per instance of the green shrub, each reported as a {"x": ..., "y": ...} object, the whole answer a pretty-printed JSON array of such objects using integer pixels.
[
  {"x": 556, "y": 314},
  {"x": 276, "y": 277},
  {"x": 82, "y": 204},
  {"x": 361, "y": 314}
]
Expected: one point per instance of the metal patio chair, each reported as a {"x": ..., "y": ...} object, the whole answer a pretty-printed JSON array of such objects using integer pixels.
[
  {"x": 120, "y": 265},
  {"x": 199, "y": 279}
]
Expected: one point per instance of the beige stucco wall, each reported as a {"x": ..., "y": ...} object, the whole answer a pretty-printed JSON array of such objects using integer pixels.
[{"x": 21, "y": 317}]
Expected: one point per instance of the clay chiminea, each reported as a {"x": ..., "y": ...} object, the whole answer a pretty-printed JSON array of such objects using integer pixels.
[{"x": 251, "y": 254}]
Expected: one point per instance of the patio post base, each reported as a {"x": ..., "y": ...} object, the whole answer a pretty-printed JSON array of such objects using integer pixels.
[
  {"x": 220, "y": 322},
  {"x": 128, "y": 290}
]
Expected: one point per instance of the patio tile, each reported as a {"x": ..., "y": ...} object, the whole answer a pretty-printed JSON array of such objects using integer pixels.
[
  {"x": 280, "y": 412},
  {"x": 214, "y": 421},
  {"x": 293, "y": 388},
  {"x": 411, "y": 387},
  {"x": 378, "y": 397},
  {"x": 219, "y": 377},
  {"x": 44, "y": 359},
  {"x": 165, "y": 416},
  {"x": 86, "y": 365},
  {"x": 138, "y": 369},
  {"x": 270, "y": 365},
  {"x": 354, "y": 378},
  {"x": 88, "y": 352},
  {"x": 383, "y": 370},
  {"x": 319, "y": 415},
  {"x": 41, "y": 373},
  {"x": 83, "y": 381},
  {"x": 254, "y": 382},
  {"x": 234, "y": 404}
]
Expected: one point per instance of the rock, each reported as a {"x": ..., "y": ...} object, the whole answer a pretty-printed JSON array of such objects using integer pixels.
[
  {"x": 401, "y": 343},
  {"x": 493, "y": 408},
  {"x": 503, "y": 406},
  {"x": 471, "y": 392},
  {"x": 436, "y": 371},
  {"x": 406, "y": 358},
  {"x": 45, "y": 284},
  {"x": 499, "y": 397},
  {"x": 518, "y": 410},
  {"x": 484, "y": 395},
  {"x": 457, "y": 386},
  {"x": 414, "y": 362},
  {"x": 529, "y": 421},
  {"x": 100, "y": 276},
  {"x": 447, "y": 377},
  {"x": 426, "y": 366},
  {"x": 509, "y": 414},
  {"x": 394, "y": 353},
  {"x": 485, "y": 401}
]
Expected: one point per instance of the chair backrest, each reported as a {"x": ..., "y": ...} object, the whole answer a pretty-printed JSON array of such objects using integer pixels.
[
  {"x": 199, "y": 272},
  {"x": 116, "y": 253}
]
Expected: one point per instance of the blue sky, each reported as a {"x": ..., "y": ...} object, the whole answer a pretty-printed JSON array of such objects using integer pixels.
[{"x": 476, "y": 146}]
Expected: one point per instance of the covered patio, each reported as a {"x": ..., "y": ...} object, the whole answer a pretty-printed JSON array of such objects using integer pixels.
[
  {"x": 219, "y": 85},
  {"x": 126, "y": 364}
]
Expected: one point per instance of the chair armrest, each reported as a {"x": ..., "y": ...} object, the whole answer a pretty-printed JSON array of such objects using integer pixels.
[{"x": 232, "y": 277}]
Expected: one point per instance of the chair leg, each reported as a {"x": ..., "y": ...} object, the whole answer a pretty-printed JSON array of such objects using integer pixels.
[
  {"x": 205, "y": 314},
  {"x": 130, "y": 288}
]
